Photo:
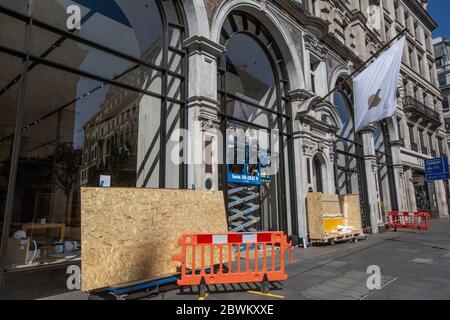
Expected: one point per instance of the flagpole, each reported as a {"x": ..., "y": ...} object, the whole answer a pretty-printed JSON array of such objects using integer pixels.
[{"x": 338, "y": 86}]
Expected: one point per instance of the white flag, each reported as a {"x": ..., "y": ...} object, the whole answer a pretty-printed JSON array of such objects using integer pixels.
[{"x": 375, "y": 88}]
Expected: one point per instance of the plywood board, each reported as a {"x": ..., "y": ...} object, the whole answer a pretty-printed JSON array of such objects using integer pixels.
[
  {"x": 324, "y": 214},
  {"x": 328, "y": 211},
  {"x": 314, "y": 210},
  {"x": 351, "y": 209},
  {"x": 131, "y": 234}
]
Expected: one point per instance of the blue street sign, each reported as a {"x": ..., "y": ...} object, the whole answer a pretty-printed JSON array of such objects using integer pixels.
[{"x": 437, "y": 169}]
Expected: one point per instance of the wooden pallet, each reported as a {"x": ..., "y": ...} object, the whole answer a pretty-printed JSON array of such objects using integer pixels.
[{"x": 337, "y": 238}]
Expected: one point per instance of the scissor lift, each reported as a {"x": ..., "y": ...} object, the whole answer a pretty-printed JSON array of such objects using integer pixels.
[
  {"x": 245, "y": 181},
  {"x": 242, "y": 207}
]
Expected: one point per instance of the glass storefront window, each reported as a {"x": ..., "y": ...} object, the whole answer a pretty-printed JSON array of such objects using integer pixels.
[
  {"x": 251, "y": 88},
  {"x": 383, "y": 160},
  {"x": 240, "y": 109},
  {"x": 9, "y": 91},
  {"x": 88, "y": 59},
  {"x": 131, "y": 27},
  {"x": 20, "y": 6},
  {"x": 250, "y": 72},
  {"x": 12, "y": 33},
  {"x": 346, "y": 146},
  {"x": 89, "y": 112},
  {"x": 425, "y": 192},
  {"x": 12, "y": 36}
]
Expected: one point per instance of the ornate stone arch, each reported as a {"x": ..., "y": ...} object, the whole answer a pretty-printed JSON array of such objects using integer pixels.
[
  {"x": 322, "y": 115},
  {"x": 196, "y": 18},
  {"x": 279, "y": 33},
  {"x": 340, "y": 72},
  {"x": 325, "y": 166}
]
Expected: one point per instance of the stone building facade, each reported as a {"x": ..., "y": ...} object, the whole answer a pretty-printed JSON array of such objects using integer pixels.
[
  {"x": 144, "y": 84},
  {"x": 441, "y": 51},
  {"x": 321, "y": 43}
]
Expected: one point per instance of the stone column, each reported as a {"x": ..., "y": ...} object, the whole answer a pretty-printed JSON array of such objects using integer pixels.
[
  {"x": 412, "y": 204},
  {"x": 403, "y": 181},
  {"x": 301, "y": 171},
  {"x": 301, "y": 181},
  {"x": 370, "y": 161},
  {"x": 441, "y": 197},
  {"x": 203, "y": 108},
  {"x": 331, "y": 171},
  {"x": 329, "y": 184},
  {"x": 398, "y": 172}
]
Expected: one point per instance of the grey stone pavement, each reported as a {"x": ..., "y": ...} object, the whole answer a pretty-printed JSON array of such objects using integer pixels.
[{"x": 414, "y": 266}]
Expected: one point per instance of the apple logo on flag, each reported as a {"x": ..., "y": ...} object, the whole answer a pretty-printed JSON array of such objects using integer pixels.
[{"x": 375, "y": 99}]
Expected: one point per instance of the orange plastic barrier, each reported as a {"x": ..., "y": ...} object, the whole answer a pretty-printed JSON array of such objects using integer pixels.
[
  {"x": 405, "y": 220},
  {"x": 236, "y": 243}
]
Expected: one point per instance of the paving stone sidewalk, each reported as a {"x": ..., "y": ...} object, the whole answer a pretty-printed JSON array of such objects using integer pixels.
[{"x": 413, "y": 265}]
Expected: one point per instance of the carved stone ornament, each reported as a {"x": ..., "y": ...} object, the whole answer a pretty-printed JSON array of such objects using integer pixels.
[
  {"x": 314, "y": 45},
  {"x": 308, "y": 148},
  {"x": 332, "y": 155},
  {"x": 209, "y": 124},
  {"x": 263, "y": 5}
]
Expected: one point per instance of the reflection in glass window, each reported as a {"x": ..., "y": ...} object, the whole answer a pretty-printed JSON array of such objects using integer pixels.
[
  {"x": 12, "y": 32},
  {"x": 252, "y": 88},
  {"x": 348, "y": 128},
  {"x": 250, "y": 72},
  {"x": 346, "y": 147},
  {"x": 131, "y": 27},
  {"x": 20, "y": 6},
  {"x": 383, "y": 167},
  {"x": 10, "y": 67}
]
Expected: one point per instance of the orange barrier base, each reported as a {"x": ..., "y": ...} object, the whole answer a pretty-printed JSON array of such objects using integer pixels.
[{"x": 237, "y": 278}]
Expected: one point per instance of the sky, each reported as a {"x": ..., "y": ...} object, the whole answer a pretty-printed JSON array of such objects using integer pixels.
[{"x": 440, "y": 11}]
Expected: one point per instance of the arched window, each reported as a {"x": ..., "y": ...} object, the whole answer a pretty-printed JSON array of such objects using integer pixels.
[
  {"x": 346, "y": 147},
  {"x": 250, "y": 72},
  {"x": 378, "y": 138},
  {"x": 385, "y": 168},
  {"x": 125, "y": 93},
  {"x": 318, "y": 175},
  {"x": 253, "y": 90},
  {"x": 349, "y": 161}
]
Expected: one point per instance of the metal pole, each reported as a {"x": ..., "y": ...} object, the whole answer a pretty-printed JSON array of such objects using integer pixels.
[
  {"x": 15, "y": 150},
  {"x": 337, "y": 87}
]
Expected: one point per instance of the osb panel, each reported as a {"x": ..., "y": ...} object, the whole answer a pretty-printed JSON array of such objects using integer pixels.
[
  {"x": 318, "y": 206},
  {"x": 330, "y": 197},
  {"x": 314, "y": 209},
  {"x": 131, "y": 234},
  {"x": 331, "y": 207},
  {"x": 352, "y": 211}
]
